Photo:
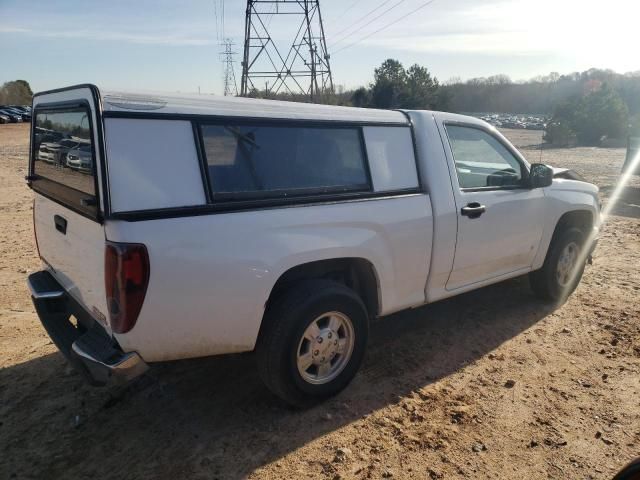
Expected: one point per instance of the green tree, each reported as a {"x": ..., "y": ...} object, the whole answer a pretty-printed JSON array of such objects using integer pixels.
[
  {"x": 559, "y": 133},
  {"x": 395, "y": 87},
  {"x": 420, "y": 90},
  {"x": 384, "y": 94},
  {"x": 589, "y": 119},
  {"x": 561, "y": 129},
  {"x": 17, "y": 92},
  {"x": 601, "y": 114},
  {"x": 389, "y": 83},
  {"x": 360, "y": 97},
  {"x": 390, "y": 71}
]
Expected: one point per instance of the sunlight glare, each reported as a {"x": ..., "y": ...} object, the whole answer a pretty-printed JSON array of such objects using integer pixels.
[{"x": 608, "y": 208}]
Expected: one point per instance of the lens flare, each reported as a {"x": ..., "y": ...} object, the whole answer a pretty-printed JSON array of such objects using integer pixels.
[
  {"x": 622, "y": 183},
  {"x": 606, "y": 212}
]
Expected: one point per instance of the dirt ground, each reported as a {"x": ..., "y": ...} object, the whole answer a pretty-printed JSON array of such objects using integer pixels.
[{"x": 491, "y": 384}]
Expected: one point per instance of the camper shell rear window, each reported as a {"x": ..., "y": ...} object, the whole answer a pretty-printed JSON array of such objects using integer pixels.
[{"x": 63, "y": 157}]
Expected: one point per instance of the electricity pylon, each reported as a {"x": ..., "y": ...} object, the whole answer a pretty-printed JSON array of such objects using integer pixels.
[
  {"x": 304, "y": 70},
  {"x": 230, "y": 84}
]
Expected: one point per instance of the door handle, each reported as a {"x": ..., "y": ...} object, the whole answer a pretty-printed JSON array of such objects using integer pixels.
[
  {"x": 473, "y": 210},
  {"x": 61, "y": 224}
]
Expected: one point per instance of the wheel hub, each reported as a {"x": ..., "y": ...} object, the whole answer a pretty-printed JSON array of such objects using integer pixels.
[
  {"x": 566, "y": 264},
  {"x": 325, "y": 348}
]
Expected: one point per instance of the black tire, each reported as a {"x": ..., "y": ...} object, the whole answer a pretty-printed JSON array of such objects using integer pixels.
[
  {"x": 283, "y": 328},
  {"x": 544, "y": 282},
  {"x": 631, "y": 471}
]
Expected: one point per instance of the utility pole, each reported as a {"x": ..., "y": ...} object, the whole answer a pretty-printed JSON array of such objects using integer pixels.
[
  {"x": 230, "y": 84},
  {"x": 299, "y": 66}
]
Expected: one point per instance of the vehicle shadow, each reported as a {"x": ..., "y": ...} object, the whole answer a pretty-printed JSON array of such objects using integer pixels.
[
  {"x": 628, "y": 204},
  {"x": 212, "y": 418}
]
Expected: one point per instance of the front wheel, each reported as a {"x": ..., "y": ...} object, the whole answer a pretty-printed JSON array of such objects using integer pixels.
[
  {"x": 313, "y": 342},
  {"x": 563, "y": 267}
]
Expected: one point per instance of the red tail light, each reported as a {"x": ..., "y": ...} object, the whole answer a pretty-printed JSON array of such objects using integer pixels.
[{"x": 126, "y": 276}]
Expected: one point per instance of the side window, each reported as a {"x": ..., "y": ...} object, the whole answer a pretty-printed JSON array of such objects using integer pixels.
[
  {"x": 481, "y": 160},
  {"x": 391, "y": 158},
  {"x": 256, "y": 161}
]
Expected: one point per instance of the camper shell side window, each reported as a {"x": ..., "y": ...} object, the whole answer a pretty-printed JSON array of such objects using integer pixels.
[{"x": 261, "y": 160}]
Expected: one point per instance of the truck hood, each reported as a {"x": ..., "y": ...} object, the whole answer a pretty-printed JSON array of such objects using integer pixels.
[
  {"x": 568, "y": 174},
  {"x": 578, "y": 183}
]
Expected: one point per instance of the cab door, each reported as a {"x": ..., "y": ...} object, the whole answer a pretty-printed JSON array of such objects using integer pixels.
[{"x": 500, "y": 219}]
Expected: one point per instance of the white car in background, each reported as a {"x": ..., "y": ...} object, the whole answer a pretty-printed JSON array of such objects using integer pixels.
[
  {"x": 80, "y": 158},
  {"x": 56, "y": 152}
]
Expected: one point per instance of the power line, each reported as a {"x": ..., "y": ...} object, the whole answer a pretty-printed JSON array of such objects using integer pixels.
[
  {"x": 369, "y": 22},
  {"x": 348, "y": 9},
  {"x": 223, "y": 34},
  {"x": 385, "y": 26},
  {"x": 215, "y": 12},
  {"x": 353, "y": 24}
]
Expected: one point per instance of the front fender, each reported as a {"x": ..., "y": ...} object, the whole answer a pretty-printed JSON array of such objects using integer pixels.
[{"x": 562, "y": 197}]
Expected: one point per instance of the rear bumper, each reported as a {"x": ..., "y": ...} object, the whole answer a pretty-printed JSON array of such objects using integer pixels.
[{"x": 86, "y": 344}]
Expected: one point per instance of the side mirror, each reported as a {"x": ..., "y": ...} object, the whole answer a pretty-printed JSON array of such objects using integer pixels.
[{"x": 540, "y": 175}]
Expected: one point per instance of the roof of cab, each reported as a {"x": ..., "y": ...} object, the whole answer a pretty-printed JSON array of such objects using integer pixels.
[{"x": 213, "y": 105}]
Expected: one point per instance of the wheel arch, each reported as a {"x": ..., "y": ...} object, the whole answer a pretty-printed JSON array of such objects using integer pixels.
[
  {"x": 580, "y": 219},
  {"x": 583, "y": 219},
  {"x": 356, "y": 273}
]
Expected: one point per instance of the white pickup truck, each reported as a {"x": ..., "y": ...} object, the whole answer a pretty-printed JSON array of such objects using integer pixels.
[{"x": 208, "y": 225}]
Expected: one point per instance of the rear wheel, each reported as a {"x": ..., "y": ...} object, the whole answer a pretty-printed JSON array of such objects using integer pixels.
[
  {"x": 313, "y": 342},
  {"x": 563, "y": 267}
]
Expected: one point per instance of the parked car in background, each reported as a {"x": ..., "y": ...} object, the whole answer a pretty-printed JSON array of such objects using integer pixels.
[
  {"x": 56, "y": 152},
  {"x": 42, "y": 135},
  {"x": 22, "y": 113},
  {"x": 26, "y": 113},
  {"x": 23, "y": 108},
  {"x": 80, "y": 158},
  {"x": 14, "y": 117},
  {"x": 505, "y": 120},
  {"x": 222, "y": 225},
  {"x": 47, "y": 152},
  {"x": 4, "y": 119}
]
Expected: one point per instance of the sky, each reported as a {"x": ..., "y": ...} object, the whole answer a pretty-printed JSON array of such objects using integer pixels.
[{"x": 174, "y": 46}]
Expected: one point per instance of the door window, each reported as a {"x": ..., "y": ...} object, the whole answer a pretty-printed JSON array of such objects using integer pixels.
[{"x": 481, "y": 160}]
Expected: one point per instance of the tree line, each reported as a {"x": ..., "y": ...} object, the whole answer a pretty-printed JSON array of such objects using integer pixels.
[
  {"x": 583, "y": 107},
  {"x": 539, "y": 95}
]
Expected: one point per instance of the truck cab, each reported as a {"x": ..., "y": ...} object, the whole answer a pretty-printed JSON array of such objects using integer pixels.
[{"x": 206, "y": 225}]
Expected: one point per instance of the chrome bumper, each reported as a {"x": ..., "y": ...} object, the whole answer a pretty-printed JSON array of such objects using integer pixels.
[
  {"x": 124, "y": 369},
  {"x": 86, "y": 344}
]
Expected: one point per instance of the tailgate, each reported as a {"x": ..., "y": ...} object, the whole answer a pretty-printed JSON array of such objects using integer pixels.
[
  {"x": 76, "y": 256},
  {"x": 67, "y": 213}
]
